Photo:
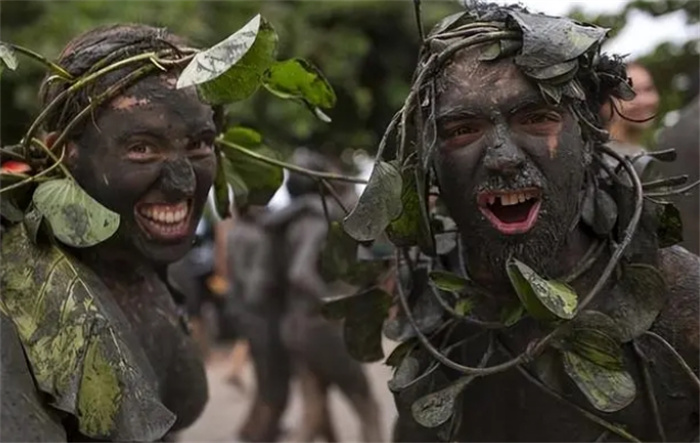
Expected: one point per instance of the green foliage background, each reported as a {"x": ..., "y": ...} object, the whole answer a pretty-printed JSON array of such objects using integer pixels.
[{"x": 367, "y": 49}]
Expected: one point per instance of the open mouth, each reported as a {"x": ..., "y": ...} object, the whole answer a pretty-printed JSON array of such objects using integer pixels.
[
  {"x": 512, "y": 211},
  {"x": 165, "y": 221}
]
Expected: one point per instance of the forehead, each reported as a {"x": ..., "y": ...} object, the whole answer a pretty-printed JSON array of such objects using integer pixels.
[
  {"x": 483, "y": 84},
  {"x": 155, "y": 102}
]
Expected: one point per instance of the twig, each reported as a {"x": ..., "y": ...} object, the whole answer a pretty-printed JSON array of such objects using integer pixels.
[
  {"x": 43, "y": 60},
  {"x": 678, "y": 357},
  {"x": 671, "y": 181},
  {"x": 589, "y": 258},
  {"x": 419, "y": 22},
  {"x": 650, "y": 390},
  {"x": 288, "y": 166},
  {"x": 678, "y": 191},
  {"x": 335, "y": 195},
  {"x": 323, "y": 202},
  {"x": 36, "y": 176},
  {"x": 464, "y": 318}
]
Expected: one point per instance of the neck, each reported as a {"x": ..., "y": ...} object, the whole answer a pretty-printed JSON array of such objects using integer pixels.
[
  {"x": 112, "y": 258},
  {"x": 491, "y": 274}
]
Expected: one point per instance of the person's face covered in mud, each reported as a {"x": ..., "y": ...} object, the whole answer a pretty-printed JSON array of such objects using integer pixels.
[
  {"x": 148, "y": 155},
  {"x": 509, "y": 166}
]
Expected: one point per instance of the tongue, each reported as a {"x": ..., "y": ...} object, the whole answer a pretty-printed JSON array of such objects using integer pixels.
[{"x": 512, "y": 213}]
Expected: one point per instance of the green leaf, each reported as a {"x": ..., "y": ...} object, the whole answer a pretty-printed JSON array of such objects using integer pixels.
[
  {"x": 640, "y": 296},
  {"x": 76, "y": 219},
  {"x": 670, "y": 229},
  {"x": 364, "y": 315},
  {"x": 599, "y": 210},
  {"x": 512, "y": 313},
  {"x": 80, "y": 353},
  {"x": 541, "y": 297},
  {"x": 411, "y": 228},
  {"x": 254, "y": 182},
  {"x": 448, "y": 281},
  {"x": 10, "y": 211},
  {"x": 491, "y": 52},
  {"x": 607, "y": 390},
  {"x": 233, "y": 69},
  {"x": 7, "y": 55},
  {"x": 400, "y": 352},
  {"x": 464, "y": 306},
  {"x": 379, "y": 204},
  {"x": 298, "y": 79},
  {"x": 436, "y": 408},
  {"x": 406, "y": 372},
  {"x": 595, "y": 337}
]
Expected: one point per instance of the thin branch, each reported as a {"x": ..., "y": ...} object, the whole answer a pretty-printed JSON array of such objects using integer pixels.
[
  {"x": 335, "y": 195},
  {"x": 43, "y": 60},
  {"x": 665, "y": 182},
  {"x": 419, "y": 22},
  {"x": 323, "y": 202},
  {"x": 464, "y": 318},
  {"x": 288, "y": 166},
  {"x": 678, "y": 357},
  {"x": 678, "y": 191},
  {"x": 36, "y": 177},
  {"x": 650, "y": 390}
]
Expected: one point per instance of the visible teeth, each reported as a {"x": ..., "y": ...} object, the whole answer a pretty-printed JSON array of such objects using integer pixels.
[
  {"x": 170, "y": 214},
  {"x": 492, "y": 199},
  {"x": 521, "y": 197}
]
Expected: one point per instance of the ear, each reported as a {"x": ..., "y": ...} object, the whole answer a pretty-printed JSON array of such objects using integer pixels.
[{"x": 71, "y": 149}]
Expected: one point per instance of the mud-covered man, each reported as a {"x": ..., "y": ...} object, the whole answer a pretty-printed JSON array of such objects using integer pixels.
[
  {"x": 108, "y": 355},
  {"x": 508, "y": 127}
]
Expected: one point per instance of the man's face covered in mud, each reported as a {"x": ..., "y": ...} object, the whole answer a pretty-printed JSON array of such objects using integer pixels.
[
  {"x": 509, "y": 166},
  {"x": 148, "y": 156}
]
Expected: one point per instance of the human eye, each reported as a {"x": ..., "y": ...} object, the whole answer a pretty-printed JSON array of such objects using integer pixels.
[
  {"x": 541, "y": 121},
  {"x": 141, "y": 151},
  {"x": 201, "y": 146},
  {"x": 460, "y": 133}
]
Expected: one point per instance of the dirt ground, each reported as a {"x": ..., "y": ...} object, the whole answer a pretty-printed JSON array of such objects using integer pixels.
[{"x": 228, "y": 406}]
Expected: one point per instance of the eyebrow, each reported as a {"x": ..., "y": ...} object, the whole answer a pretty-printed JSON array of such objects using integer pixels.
[{"x": 517, "y": 103}]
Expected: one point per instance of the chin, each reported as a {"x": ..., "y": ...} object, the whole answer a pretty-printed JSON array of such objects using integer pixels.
[{"x": 166, "y": 231}]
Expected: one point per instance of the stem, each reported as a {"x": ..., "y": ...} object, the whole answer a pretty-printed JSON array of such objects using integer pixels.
[
  {"x": 43, "y": 60},
  {"x": 671, "y": 181},
  {"x": 120, "y": 64},
  {"x": 288, "y": 166},
  {"x": 678, "y": 357},
  {"x": 45, "y": 148},
  {"x": 323, "y": 202},
  {"x": 419, "y": 22},
  {"x": 678, "y": 191},
  {"x": 464, "y": 318},
  {"x": 335, "y": 195},
  {"x": 37, "y": 176}
]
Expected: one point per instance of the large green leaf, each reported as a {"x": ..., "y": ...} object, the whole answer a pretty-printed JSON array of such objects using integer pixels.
[
  {"x": 448, "y": 281},
  {"x": 607, "y": 390},
  {"x": 80, "y": 349},
  {"x": 364, "y": 315},
  {"x": 76, "y": 219},
  {"x": 379, "y": 204},
  {"x": 298, "y": 79},
  {"x": 411, "y": 228},
  {"x": 254, "y": 182},
  {"x": 436, "y": 408},
  {"x": 541, "y": 297},
  {"x": 595, "y": 337},
  {"x": 233, "y": 69}
]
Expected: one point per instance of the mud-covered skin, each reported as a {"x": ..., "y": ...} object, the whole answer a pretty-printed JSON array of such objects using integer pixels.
[
  {"x": 153, "y": 144},
  {"x": 495, "y": 133},
  {"x": 507, "y": 407},
  {"x": 161, "y": 330}
]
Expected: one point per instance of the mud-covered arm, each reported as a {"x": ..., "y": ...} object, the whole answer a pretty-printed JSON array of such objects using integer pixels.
[
  {"x": 23, "y": 415},
  {"x": 307, "y": 236}
]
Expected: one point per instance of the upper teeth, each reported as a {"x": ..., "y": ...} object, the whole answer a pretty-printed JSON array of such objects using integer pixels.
[
  {"x": 165, "y": 213},
  {"x": 512, "y": 198}
]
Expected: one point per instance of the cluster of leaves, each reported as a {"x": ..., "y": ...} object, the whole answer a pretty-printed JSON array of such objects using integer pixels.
[{"x": 230, "y": 71}]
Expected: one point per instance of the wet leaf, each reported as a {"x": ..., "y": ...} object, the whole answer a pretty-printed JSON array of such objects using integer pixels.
[
  {"x": 553, "y": 92},
  {"x": 448, "y": 281},
  {"x": 33, "y": 222},
  {"x": 607, "y": 390},
  {"x": 548, "y": 368},
  {"x": 599, "y": 210},
  {"x": 464, "y": 306},
  {"x": 340, "y": 261},
  {"x": 406, "y": 229},
  {"x": 76, "y": 219},
  {"x": 426, "y": 241},
  {"x": 10, "y": 211},
  {"x": 81, "y": 354},
  {"x": 406, "y": 372},
  {"x": 254, "y": 182},
  {"x": 436, "y": 408},
  {"x": 539, "y": 31},
  {"x": 510, "y": 47},
  {"x": 624, "y": 91},
  {"x": 640, "y": 296},
  {"x": 595, "y": 337},
  {"x": 221, "y": 189},
  {"x": 554, "y": 74},
  {"x": 364, "y": 315},
  {"x": 447, "y": 23},
  {"x": 667, "y": 155},
  {"x": 491, "y": 52},
  {"x": 400, "y": 352},
  {"x": 670, "y": 230},
  {"x": 512, "y": 314},
  {"x": 233, "y": 69},
  {"x": 541, "y": 297},
  {"x": 379, "y": 204},
  {"x": 574, "y": 89},
  {"x": 7, "y": 55},
  {"x": 299, "y": 80}
]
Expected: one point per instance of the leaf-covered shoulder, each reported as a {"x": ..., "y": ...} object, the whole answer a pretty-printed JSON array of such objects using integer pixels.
[
  {"x": 78, "y": 343},
  {"x": 679, "y": 320}
]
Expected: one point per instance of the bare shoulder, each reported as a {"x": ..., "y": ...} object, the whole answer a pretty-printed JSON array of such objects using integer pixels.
[
  {"x": 678, "y": 322},
  {"x": 24, "y": 417}
]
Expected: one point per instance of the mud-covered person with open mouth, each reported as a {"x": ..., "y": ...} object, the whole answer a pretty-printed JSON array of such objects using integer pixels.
[
  {"x": 511, "y": 136},
  {"x": 146, "y": 154}
]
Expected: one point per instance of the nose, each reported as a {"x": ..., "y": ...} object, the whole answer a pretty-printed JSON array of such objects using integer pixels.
[
  {"x": 177, "y": 179},
  {"x": 504, "y": 157}
]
